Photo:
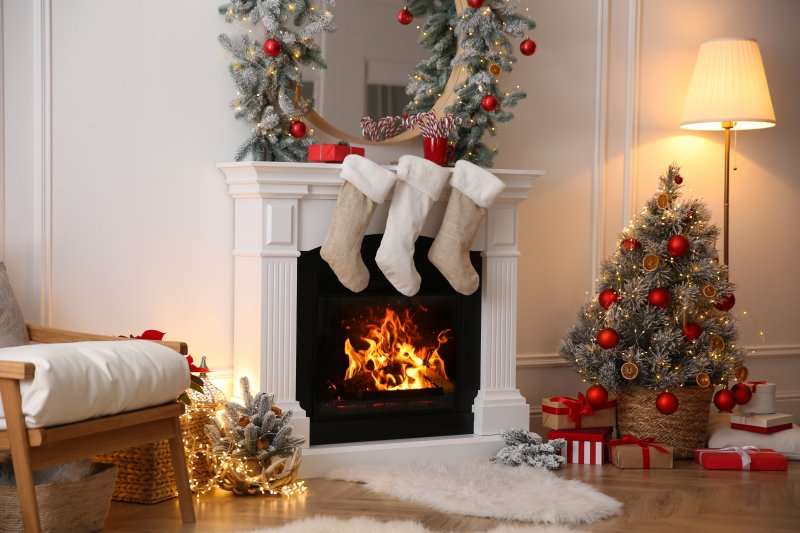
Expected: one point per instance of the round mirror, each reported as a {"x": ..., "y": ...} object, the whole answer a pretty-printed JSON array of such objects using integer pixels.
[{"x": 369, "y": 58}]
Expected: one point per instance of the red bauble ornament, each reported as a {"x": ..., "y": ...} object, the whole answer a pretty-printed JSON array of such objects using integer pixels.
[
  {"x": 607, "y": 338},
  {"x": 678, "y": 245},
  {"x": 726, "y": 303},
  {"x": 692, "y": 331},
  {"x": 527, "y": 47},
  {"x": 741, "y": 393},
  {"x": 659, "y": 297},
  {"x": 404, "y": 16},
  {"x": 596, "y": 395},
  {"x": 298, "y": 128},
  {"x": 475, "y": 4},
  {"x": 724, "y": 400},
  {"x": 489, "y": 102},
  {"x": 630, "y": 244},
  {"x": 666, "y": 403},
  {"x": 607, "y": 297},
  {"x": 272, "y": 47},
  {"x": 678, "y": 179}
]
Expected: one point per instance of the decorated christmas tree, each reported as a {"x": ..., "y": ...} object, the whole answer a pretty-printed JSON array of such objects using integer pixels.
[
  {"x": 267, "y": 74},
  {"x": 661, "y": 318},
  {"x": 482, "y": 29}
]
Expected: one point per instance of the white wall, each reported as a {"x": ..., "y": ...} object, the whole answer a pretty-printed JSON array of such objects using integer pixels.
[{"x": 116, "y": 219}]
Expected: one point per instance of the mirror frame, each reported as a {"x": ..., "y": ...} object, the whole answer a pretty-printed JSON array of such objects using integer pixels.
[{"x": 457, "y": 76}]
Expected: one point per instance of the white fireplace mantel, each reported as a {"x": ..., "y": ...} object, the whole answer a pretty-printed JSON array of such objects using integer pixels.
[{"x": 282, "y": 209}]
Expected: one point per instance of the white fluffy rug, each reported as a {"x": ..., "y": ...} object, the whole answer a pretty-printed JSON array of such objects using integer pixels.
[
  {"x": 478, "y": 488},
  {"x": 326, "y": 524}
]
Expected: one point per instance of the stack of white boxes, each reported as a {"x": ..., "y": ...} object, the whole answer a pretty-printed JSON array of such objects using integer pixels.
[{"x": 758, "y": 415}]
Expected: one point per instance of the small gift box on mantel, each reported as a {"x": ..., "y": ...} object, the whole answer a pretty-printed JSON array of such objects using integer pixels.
[
  {"x": 762, "y": 423},
  {"x": 332, "y": 153},
  {"x": 763, "y": 400},
  {"x": 740, "y": 458},
  {"x": 584, "y": 446},
  {"x": 630, "y": 452},
  {"x": 561, "y": 412}
]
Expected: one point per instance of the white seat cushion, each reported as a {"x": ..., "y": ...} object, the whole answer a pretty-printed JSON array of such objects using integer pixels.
[
  {"x": 81, "y": 380},
  {"x": 721, "y": 435}
]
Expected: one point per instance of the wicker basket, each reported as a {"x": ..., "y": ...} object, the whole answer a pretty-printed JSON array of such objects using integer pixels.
[
  {"x": 65, "y": 506},
  {"x": 684, "y": 430},
  {"x": 250, "y": 476},
  {"x": 145, "y": 473},
  {"x": 198, "y": 447}
]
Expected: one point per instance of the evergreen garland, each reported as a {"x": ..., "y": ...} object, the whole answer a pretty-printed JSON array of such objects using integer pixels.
[
  {"x": 653, "y": 337},
  {"x": 267, "y": 85},
  {"x": 524, "y": 448}
]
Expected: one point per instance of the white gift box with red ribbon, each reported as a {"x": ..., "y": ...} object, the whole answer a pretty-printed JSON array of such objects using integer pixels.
[{"x": 763, "y": 400}]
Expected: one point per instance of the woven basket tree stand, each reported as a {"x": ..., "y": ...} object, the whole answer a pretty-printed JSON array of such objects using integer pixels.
[{"x": 684, "y": 430}]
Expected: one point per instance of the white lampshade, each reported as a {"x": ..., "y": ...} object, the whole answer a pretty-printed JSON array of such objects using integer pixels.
[{"x": 728, "y": 85}]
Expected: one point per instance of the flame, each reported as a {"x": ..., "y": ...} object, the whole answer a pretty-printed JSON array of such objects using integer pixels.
[{"x": 396, "y": 357}]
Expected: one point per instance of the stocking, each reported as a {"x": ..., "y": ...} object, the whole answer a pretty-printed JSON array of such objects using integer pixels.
[
  {"x": 420, "y": 182},
  {"x": 474, "y": 190},
  {"x": 366, "y": 184}
]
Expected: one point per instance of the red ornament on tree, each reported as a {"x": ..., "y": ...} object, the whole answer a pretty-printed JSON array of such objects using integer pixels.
[
  {"x": 630, "y": 244},
  {"x": 607, "y": 297},
  {"x": 666, "y": 403},
  {"x": 607, "y": 338},
  {"x": 489, "y": 102},
  {"x": 741, "y": 393},
  {"x": 272, "y": 47},
  {"x": 678, "y": 179},
  {"x": 692, "y": 331},
  {"x": 596, "y": 395},
  {"x": 475, "y": 4},
  {"x": 404, "y": 16},
  {"x": 659, "y": 297},
  {"x": 724, "y": 401},
  {"x": 726, "y": 303},
  {"x": 527, "y": 47},
  {"x": 298, "y": 128},
  {"x": 678, "y": 245}
]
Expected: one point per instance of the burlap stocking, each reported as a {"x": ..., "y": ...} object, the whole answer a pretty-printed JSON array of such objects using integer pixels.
[
  {"x": 420, "y": 183},
  {"x": 474, "y": 190},
  {"x": 365, "y": 185}
]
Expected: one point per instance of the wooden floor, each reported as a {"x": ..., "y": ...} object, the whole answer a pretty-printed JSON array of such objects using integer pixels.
[{"x": 686, "y": 498}]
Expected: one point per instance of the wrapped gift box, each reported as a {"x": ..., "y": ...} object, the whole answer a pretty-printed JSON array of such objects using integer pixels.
[
  {"x": 740, "y": 458},
  {"x": 763, "y": 400},
  {"x": 569, "y": 413},
  {"x": 762, "y": 423},
  {"x": 584, "y": 446},
  {"x": 630, "y": 452},
  {"x": 332, "y": 153}
]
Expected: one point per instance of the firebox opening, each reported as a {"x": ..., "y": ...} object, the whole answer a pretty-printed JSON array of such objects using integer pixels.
[{"x": 378, "y": 365}]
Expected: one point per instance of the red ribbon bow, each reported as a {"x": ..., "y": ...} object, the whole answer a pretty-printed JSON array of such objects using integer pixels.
[
  {"x": 645, "y": 444},
  {"x": 755, "y": 384},
  {"x": 577, "y": 407}
]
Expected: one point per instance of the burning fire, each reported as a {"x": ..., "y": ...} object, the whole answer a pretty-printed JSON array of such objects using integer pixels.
[{"x": 395, "y": 357}]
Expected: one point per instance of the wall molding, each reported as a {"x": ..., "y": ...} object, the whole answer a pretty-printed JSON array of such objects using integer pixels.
[
  {"x": 43, "y": 155},
  {"x": 600, "y": 138},
  {"x": 554, "y": 360},
  {"x": 630, "y": 170}
]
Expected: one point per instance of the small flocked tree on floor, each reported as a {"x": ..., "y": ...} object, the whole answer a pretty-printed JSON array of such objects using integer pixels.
[{"x": 661, "y": 318}]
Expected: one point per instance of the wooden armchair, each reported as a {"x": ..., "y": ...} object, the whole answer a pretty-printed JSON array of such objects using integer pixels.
[{"x": 33, "y": 449}]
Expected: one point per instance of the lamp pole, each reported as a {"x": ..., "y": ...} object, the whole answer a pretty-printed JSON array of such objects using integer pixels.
[{"x": 727, "y": 126}]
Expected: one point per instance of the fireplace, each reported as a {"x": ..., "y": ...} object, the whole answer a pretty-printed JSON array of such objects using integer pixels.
[
  {"x": 378, "y": 365},
  {"x": 282, "y": 212}
]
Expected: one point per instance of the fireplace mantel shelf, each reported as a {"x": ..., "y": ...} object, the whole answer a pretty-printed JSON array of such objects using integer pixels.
[{"x": 284, "y": 209}]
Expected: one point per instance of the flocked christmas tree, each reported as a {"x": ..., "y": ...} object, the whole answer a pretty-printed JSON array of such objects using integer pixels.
[
  {"x": 661, "y": 317},
  {"x": 482, "y": 29},
  {"x": 267, "y": 74}
]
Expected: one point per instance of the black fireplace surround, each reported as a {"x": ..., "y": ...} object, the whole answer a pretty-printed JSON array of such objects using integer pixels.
[{"x": 324, "y": 312}]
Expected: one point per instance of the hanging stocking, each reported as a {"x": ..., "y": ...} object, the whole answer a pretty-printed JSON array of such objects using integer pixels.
[
  {"x": 420, "y": 182},
  {"x": 474, "y": 190},
  {"x": 366, "y": 184}
]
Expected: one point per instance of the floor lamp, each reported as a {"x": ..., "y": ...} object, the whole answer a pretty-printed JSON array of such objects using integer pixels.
[{"x": 728, "y": 91}]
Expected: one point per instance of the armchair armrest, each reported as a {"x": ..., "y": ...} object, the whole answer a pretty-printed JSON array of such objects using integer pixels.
[
  {"x": 41, "y": 334},
  {"x": 16, "y": 370}
]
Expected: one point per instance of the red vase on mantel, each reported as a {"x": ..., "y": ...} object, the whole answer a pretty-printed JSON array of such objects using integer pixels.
[{"x": 436, "y": 149}]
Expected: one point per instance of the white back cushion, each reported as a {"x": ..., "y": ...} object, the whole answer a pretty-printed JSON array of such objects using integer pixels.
[{"x": 80, "y": 380}]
